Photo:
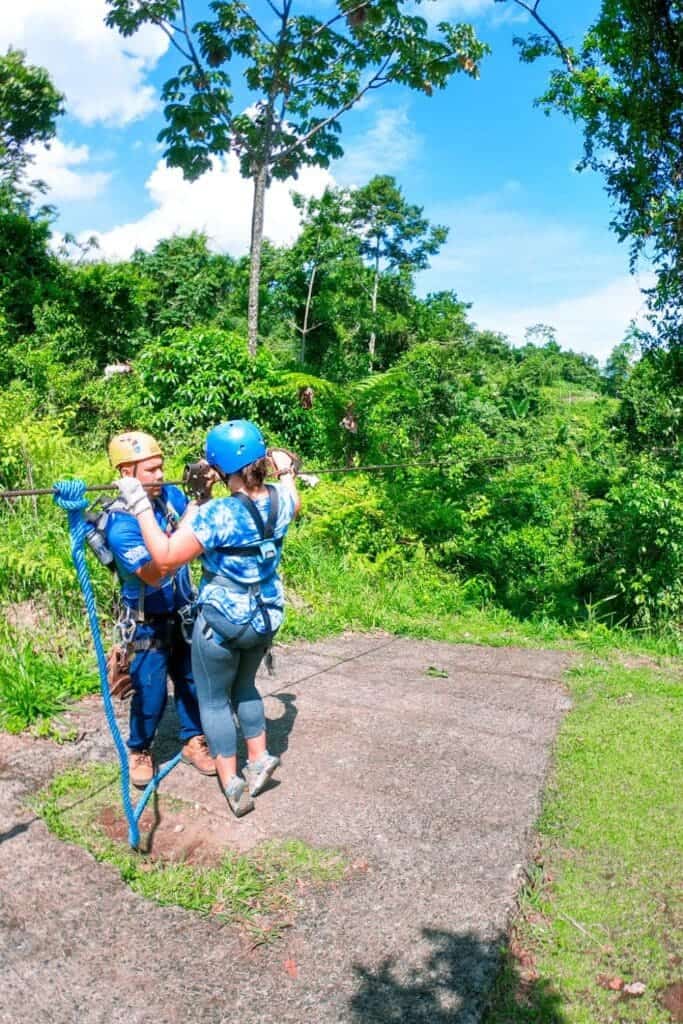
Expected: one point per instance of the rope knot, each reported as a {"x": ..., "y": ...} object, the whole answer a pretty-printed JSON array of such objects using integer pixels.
[{"x": 70, "y": 495}]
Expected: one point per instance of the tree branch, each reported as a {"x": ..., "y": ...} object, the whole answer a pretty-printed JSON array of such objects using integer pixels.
[
  {"x": 172, "y": 39},
  {"x": 337, "y": 17},
  {"x": 194, "y": 56},
  {"x": 375, "y": 82},
  {"x": 533, "y": 11}
]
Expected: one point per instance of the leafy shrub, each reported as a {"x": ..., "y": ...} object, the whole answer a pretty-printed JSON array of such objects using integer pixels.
[
  {"x": 35, "y": 686},
  {"x": 642, "y": 559}
]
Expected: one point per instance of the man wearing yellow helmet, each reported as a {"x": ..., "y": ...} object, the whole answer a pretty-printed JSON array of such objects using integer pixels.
[{"x": 151, "y": 604}]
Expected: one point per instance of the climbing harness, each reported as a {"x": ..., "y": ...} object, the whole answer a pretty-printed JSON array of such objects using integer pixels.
[
  {"x": 266, "y": 552},
  {"x": 130, "y": 618},
  {"x": 70, "y": 496}
]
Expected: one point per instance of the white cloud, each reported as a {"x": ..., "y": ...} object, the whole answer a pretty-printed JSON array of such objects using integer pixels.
[
  {"x": 592, "y": 323},
  {"x": 449, "y": 10},
  {"x": 54, "y": 167},
  {"x": 219, "y": 204},
  {"x": 101, "y": 73},
  {"x": 385, "y": 148}
]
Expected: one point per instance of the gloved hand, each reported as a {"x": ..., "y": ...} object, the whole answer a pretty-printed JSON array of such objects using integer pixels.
[
  {"x": 198, "y": 479},
  {"x": 133, "y": 493},
  {"x": 283, "y": 461}
]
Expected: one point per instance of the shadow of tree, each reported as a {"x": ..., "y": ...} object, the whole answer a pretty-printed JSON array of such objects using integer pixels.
[{"x": 452, "y": 986}]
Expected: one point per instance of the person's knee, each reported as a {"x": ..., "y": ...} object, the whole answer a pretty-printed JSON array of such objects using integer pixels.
[{"x": 251, "y": 717}]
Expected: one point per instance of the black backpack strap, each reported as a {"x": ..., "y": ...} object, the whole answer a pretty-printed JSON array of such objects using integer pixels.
[
  {"x": 250, "y": 506},
  {"x": 265, "y": 530}
]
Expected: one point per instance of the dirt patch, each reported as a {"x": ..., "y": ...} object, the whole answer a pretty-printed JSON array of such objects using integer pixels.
[
  {"x": 169, "y": 834},
  {"x": 672, "y": 1000},
  {"x": 26, "y": 616},
  {"x": 668, "y": 666}
]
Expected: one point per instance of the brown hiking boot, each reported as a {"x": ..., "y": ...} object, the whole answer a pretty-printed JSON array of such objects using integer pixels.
[
  {"x": 196, "y": 753},
  {"x": 140, "y": 768}
]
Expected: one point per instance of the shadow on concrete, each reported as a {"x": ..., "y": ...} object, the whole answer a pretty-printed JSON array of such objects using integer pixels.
[
  {"x": 16, "y": 830},
  {"x": 451, "y": 987},
  {"x": 280, "y": 729},
  {"x": 167, "y": 744}
]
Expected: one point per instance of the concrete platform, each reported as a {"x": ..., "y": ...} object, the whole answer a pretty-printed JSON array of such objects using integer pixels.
[{"x": 429, "y": 784}]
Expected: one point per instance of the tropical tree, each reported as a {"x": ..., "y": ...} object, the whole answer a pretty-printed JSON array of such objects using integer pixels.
[
  {"x": 304, "y": 74},
  {"x": 624, "y": 84},
  {"x": 394, "y": 236},
  {"x": 29, "y": 108}
]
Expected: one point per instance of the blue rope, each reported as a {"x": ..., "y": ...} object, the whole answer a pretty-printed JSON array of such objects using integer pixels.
[{"x": 70, "y": 495}]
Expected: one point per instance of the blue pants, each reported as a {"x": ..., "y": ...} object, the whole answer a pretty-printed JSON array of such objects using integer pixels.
[
  {"x": 149, "y": 671},
  {"x": 225, "y": 671}
]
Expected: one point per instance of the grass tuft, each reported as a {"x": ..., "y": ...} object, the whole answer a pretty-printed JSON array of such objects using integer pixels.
[{"x": 257, "y": 890}]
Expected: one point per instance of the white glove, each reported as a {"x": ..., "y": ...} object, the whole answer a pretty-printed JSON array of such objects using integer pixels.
[{"x": 133, "y": 493}]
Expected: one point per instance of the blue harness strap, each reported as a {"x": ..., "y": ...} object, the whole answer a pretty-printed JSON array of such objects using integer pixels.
[{"x": 70, "y": 496}]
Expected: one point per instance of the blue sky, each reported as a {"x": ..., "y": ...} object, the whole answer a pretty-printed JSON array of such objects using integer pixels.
[{"x": 529, "y": 237}]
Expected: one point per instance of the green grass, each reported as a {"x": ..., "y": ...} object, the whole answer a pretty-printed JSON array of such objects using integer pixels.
[
  {"x": 333, "y": 591},
  {"x": 37, "y": 683},
  {"x": 604, "y": 897},
  {"x": 257, "y": 890}
]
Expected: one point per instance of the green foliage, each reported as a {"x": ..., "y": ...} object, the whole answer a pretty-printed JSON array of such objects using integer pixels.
[
  {"x": 304, "y": 74},
  {"x": 35, "y": 686},
  {"x": 184, "y": 285},
  {"x": 33, "y": 448},
  {"x": 190, "y": 380},
  {"x": 643, "y": 553},
  {"x": 28, "y": 271},
  {"x": 651, "y": 410},
  {"x": 29, "y": 108}
]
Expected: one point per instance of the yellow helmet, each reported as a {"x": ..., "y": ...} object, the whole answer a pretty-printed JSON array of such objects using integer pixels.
[{"x": 134, "y": 446}]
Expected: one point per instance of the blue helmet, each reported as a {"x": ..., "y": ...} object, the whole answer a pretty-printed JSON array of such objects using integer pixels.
[{"x": 232, "y": 446}]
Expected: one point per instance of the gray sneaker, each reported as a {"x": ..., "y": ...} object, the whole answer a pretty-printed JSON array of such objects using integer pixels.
[
  {"x": 258, "y": 773},
  {"x": 237, "y": 795}
]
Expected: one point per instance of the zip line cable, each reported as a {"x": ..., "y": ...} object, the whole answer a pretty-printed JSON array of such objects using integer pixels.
[{"x": 29, "y": 492}]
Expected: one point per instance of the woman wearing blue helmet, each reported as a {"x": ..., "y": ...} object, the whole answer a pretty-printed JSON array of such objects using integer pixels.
[{"x": 239, "y": 541}]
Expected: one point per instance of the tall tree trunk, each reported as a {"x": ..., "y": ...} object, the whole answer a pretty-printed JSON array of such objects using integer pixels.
[
  {"x": 260, "y": 180},
  {"x": 373, "y": 337},
  {"x": 307, "y": 311}
]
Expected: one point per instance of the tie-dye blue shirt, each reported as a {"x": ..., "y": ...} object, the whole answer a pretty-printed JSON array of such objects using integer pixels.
[{"x": 224, "y": 522}]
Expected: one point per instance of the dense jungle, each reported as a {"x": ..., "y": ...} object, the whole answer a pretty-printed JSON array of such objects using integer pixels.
[{"x": 531, "y": 490}]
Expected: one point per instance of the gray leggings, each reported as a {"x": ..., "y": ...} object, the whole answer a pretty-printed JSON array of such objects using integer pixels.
[{"x": 224, "y": 676}]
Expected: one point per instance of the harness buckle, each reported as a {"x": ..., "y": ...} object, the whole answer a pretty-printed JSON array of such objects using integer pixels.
[
  {"x": 186, "y": 617},
  {"x": 125, "y": 628},
  {"x": 267, "y": 550}
]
